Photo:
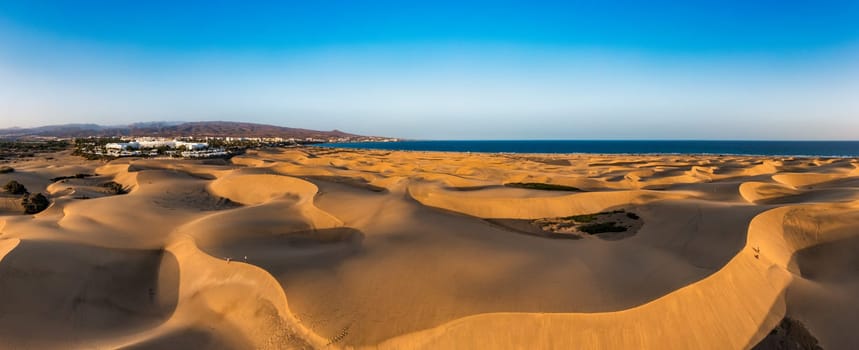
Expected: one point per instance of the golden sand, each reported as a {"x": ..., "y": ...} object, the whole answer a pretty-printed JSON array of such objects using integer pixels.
[{"x": 331, "y": 248}]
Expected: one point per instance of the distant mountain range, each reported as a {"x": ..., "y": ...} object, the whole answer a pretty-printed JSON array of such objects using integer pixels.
[{"x": 172, "y": 129}]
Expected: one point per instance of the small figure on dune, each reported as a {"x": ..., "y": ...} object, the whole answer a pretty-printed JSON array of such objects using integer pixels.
[{"x": 757, "y": 251}]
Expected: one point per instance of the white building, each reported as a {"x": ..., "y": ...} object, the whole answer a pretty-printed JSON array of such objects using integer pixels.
[
  {"x": 215, "y": 152},
  {"x": 194, "y": 146},
  {"x": 155, "y": 143},
  {"x": 121, "y": 146}
]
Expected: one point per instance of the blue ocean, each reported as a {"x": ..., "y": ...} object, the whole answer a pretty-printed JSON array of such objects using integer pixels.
[{"x": 765, "y": 148}]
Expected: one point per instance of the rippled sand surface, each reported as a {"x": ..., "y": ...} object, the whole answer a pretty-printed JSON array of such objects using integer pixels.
[{"x": 334, "y": 248}]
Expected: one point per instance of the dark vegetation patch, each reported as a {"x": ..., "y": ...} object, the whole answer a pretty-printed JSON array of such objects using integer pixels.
[
  {"x": 582, "y": 218},
  {"x": 114, "y": 187},
  {"x": 530, "y": 228},
  {"x": 316, "y": 152},
  {"x": 75, "y": 176},
  {"x": 549, "y": 161},
  {"x": 92, "y": 156},
  {"x": 31, "y": 202},
  {"x": 608, "y": 225},
  {"x": 790, "y": 334},
  {"x": 602, "y": 227},
  {"x": 6, "y": 169},
  {"x": 26, "y": 149},
  {"x": 35, "y": 203},
  {"x": 215, "y": 161},
  {"x": 542, "y": 186},
  {"x": 15, "y": 187},
  {"x": 585, "y": 218}
]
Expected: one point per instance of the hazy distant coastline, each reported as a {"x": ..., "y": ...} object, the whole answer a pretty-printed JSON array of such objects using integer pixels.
[
  {"x": 747, "y": 148},
  {"x": 181, "y": 129}
]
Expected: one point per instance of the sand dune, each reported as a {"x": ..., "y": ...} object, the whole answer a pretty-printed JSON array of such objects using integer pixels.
[
  {"x": 754, "y": 191},
  {"x": 331, "y": 248}
]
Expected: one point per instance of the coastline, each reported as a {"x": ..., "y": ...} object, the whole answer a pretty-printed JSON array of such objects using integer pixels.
[{"x": 343, "y": 146}]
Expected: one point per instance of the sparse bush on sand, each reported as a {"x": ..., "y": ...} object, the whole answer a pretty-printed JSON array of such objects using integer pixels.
[
  {"x": 6, "y": 169},
  {"x": 601, "y": 228},
  {"x": 75, "y": 176},
  {"x": 114, "y": 187},
  {"x": 586, "y": 218},
  {"x": 582, "y": 218},
  {"x": 15, "y": 187},
  {"x": 35, "y": 203}
]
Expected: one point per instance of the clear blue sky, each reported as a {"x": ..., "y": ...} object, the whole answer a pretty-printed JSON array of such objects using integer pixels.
[{"x": 441, "y": 69}]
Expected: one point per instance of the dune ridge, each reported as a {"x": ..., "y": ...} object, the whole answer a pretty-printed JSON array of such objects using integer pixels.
[
  {"x": 331, "y": 248},
  {"x": 741, "y": 303}
]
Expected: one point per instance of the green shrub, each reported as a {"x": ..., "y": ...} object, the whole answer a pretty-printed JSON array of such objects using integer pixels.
[
  {"x": 14, "y": 187},
  {"x": 35, "y": 203},
  {"x": 75, "y": 176}
]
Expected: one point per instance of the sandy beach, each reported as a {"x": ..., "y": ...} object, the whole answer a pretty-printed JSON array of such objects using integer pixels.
[{"x": 335, "y": 248}]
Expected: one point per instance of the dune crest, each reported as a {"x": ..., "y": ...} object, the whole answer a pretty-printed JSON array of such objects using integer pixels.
[
  {"x": 254, "y": 189},
  {"x": 733, "y": 308},
  {"x": 332, "y": 248}
]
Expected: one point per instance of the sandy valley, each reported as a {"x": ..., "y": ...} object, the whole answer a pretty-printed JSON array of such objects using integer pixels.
[{"x": 336, "y": 248}]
